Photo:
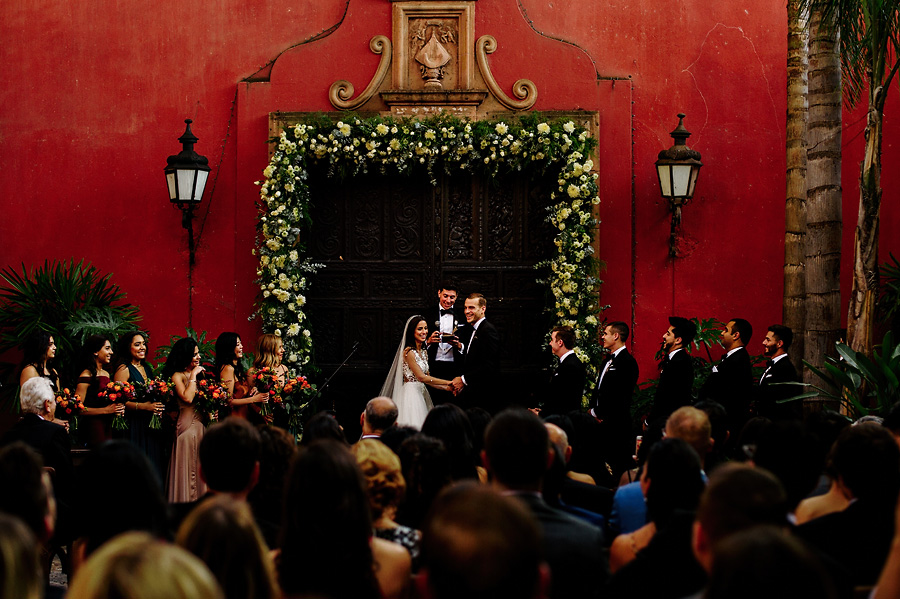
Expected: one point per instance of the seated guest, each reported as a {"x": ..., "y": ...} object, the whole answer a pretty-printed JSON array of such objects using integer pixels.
[
  {"x": 671, "y": 481},
  {"x": 51, "y": 441},
  {"x": 323, "y": 426},
  {"x": 516, "y": 454},
  {"x": 327, "y": 548},
  {"x": 277, "y": 450},
  {"x": 385, "y": 485},
  {"x": 380, "y": 414},
  {"x": 767, "y": 562},
  {"x": 448, "y": 423},
  {"x": 737, "y": 498},
  {"x": 589, "y": 449},
  {"x": 789, "y": 451},
  {"x": 117, "y": 491},
  {"x": 718, "y": 432},
  {"x": 222, "y": 533},
  {"x": 20, "y": 564},
  {"x": 136, "y": 565},
  {"x": 396, "y": 435},
  {"x": 480, "y": 545},
  {"x": 571, "y": 489},
  {"x": 426, "y": 470},
  {"x": 866, "y": 463}
]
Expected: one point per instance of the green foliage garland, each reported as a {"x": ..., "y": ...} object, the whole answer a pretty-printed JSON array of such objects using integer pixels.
[{"x": 357, "y": 146}]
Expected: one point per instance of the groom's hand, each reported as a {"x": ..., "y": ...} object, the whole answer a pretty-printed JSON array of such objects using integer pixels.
[{"x": 457, "y": 384}]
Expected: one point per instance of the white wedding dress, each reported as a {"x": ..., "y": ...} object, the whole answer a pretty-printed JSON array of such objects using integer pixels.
[{"x": 413, "y": 401}]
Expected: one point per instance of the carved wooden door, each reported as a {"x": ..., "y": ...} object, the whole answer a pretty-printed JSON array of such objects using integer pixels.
[{"x": 388, "y": 242}]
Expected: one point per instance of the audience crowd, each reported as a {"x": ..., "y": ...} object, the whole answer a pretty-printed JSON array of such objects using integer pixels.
[{"x": 472, "y": 505}]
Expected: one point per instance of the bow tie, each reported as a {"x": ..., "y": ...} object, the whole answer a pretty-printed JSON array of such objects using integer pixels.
[
  {"x": 770, "y": 363},
  {"x": 445, "y": 312}
]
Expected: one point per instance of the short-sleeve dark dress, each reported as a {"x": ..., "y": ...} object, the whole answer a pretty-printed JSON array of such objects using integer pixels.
[
  {"x": 151, "y": 442},
  {"x": 97, "y": 429}
]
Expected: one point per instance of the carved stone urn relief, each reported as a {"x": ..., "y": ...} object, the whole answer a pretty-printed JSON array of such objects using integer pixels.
[{"x": 436, "y": 65}]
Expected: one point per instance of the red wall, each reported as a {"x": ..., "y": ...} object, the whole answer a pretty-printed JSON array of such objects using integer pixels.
[{"x": 95, "y": 93}]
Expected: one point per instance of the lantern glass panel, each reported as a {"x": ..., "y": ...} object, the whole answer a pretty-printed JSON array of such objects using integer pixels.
[
  {"x": 665, "y": 182},
  {"x": 201, "y": 185},
  {"x": 681, "y": 178},
  {"x": 185, "y": 179},
  {"x": 170, "y": 181}
]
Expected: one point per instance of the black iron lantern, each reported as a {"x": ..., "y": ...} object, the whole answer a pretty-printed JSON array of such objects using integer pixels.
[
  {"x": 186, "y": 176},
  {"x": 678, "y": 169}
]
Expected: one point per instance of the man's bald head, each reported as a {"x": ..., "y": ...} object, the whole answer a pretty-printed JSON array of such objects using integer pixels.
[
  {"x": 560, "y": 440},
  {"x": 380, "y": 415}
]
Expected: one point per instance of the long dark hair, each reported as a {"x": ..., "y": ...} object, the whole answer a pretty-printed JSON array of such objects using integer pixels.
[
  {"x": 326, "y": 525},
  {"x": 86, "y": 359},
  {"x": 180, "y": 357},
  {"x": 450, "y": 424},
  {"x": 410, "y": 340},
  {"x": 226, "y": 355},
  {"x": 676, "y": 482},
  {"x": 35, "y": 349},
  {"x": 123, "y": 356}
]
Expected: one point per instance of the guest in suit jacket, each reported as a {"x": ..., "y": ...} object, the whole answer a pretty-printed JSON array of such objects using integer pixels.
[
  {"x": 729, "y": 383},
  {"x": 479, "y": 343},
  {"x": 50, "y": 440},
  {"x": 778, "y": 370},
  {"x": 444, "y": 362},
  {"x": 676, "y": 376},
  {"x": 567, "y": 383},
  {"x": 611, "y": 400},
  {"x": 516, "y": 453}
]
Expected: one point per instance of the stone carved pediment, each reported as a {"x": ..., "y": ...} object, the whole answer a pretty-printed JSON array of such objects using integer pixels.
[{"x": 436, "y": 65}]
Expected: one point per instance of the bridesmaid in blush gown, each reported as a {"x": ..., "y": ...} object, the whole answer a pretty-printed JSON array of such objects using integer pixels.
[
  {"x": 183, "y": 367},
  {"x": 229, "y": 351}
]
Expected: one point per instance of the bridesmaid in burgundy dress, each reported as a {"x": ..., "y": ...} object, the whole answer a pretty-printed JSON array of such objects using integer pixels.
[
  {"x": 92, "y": 363},
  {"x": 183, "y": 367}
]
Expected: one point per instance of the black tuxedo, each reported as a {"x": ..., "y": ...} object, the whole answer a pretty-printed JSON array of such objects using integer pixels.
[
  {"x": 443, "y": 369},
  {"x": 781, "y": 371},
  {"x": 611, "y": 403},
  {"x": 573, "y": 550},
  {"x": 676, "y": 378},
  {"x": 481, "y": 366},
  {"x": 566, "y": 387},
  {"x": 731, "y": 385}
]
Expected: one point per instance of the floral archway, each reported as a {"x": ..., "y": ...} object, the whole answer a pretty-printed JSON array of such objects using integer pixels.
[{"x": 383, "y": 144}]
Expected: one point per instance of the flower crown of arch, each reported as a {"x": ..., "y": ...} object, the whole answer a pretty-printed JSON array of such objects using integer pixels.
[{"x": 357, "y": 145}]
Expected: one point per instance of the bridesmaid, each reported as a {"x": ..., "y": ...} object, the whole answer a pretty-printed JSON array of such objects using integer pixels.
[
  {"x": 183, "y": 367},
  {"x": 132, "y": 366},
  {"x": 40, "y": 349},
  {"x": 269, "y": 352},
  {"x": 92, "y": 362},
  {"x": 232, "y": 376}
]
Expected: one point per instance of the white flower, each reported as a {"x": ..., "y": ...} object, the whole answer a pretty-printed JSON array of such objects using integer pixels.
[
  {"x": 292, "y": 358},
  {"x": 501, "y": 128},
  {"x": 381, "y": 129},
  {"x": 569, "y": 127},
  {"x": 344, "y": 128},
  {"x": 573, "y": 191},
  {"x": 278, "y": 332},
  {"x": 306, "y": 332},
  {"x": 543, "y": 128},
  {"x": 293, "y": 329}
]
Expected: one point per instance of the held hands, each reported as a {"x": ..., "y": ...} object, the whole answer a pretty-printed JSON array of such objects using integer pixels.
[{"x": 457, "y": 384}]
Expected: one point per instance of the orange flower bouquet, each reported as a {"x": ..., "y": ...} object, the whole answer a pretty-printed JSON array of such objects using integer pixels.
[
  {"x": 266, "y": 381},
  {"x": 118, "y": 392},
  {"x": 156, "y": 390},
  {"x": 211, "y": 397},
  {"x": 68, "y": 407},
  {"x": 296, "y": 396}
]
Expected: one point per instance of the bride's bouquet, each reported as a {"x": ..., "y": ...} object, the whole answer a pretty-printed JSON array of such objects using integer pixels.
[{"x": 118, "y": 392}]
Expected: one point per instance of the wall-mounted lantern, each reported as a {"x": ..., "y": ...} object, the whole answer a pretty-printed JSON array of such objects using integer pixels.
[
  {"x": 186, "y": 175},
  {"x": 678, "y": 168}
]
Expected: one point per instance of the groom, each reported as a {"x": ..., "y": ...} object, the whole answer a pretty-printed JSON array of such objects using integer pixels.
[{"x": 479, "y": 345}]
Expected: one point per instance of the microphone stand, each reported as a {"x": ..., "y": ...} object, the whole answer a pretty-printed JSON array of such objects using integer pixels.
[{"x": 321, "y": 389}]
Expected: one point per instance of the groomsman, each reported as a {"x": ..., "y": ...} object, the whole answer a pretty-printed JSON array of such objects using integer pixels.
[
  {"x": 444, "y": 362},
  {"x": 778, "y": 370},
  {"x": 479, "y": 344},
  {"x": 567, "y": 383},
  {"x": 730, "y": 382},
  {"x": 676, "y": 375},
  {"x": 611, "y": 400}
]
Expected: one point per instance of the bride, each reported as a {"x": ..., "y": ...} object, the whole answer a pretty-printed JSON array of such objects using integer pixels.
[{"x": 406, "y": 381}]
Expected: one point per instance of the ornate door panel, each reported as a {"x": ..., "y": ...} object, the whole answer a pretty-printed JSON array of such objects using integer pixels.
[{"x": 387, "y": 242}]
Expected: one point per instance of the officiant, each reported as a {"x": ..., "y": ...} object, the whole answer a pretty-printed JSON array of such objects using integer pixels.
[{"x": 443, "y": 361}]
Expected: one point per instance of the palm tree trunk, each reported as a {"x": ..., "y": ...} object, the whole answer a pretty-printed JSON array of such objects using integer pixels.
[
  {"x": 794, "y": 306},
  {"x": 823, "y": 202},
  {"x": 861, "y": 316}
]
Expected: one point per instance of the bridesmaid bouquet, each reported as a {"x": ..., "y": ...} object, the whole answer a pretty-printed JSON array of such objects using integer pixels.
[
  {"x": 118, "y": 392},
  {"x": 296, "y": 395},
  {"x": 211, "y": 397},
  {"x": 266, "y": 381},
  {"x": 156, "y": 390},
  {"x": 70, "y": 405}
]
